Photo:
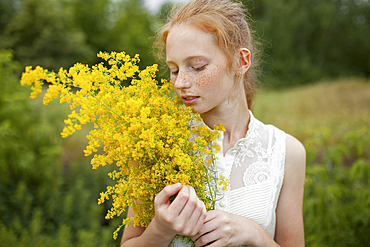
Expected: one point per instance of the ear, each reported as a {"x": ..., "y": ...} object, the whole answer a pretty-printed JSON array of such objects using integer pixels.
[{"x": 244, "y": 60}]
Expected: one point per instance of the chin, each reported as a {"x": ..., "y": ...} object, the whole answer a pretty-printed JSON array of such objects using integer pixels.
[
  {"x": 198, "y": 109},
  {"x": 194, "y": 110}
]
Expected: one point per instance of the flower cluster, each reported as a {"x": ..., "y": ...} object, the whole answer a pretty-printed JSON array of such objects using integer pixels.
[{"x": 141, "y": 129}]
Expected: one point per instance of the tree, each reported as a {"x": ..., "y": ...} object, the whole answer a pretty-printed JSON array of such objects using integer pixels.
[
  {"x": 42, "y": 201},
  {"x": 7, "y": 10},
  {"x": 310, "y": 40},
  {"x": 133, "y": 31},
  {"x": 114, "y": 26},
  {"x": 42, "y": 33}
]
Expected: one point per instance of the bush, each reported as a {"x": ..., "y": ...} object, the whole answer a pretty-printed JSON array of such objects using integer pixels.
[
  {"x": 337, "y": 190},
  {"x": 48, "y": 200},
  {"x": 44, "y": 202}
]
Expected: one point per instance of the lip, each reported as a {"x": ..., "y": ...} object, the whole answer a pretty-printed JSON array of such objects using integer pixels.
[{"x": 189, "y": 99}]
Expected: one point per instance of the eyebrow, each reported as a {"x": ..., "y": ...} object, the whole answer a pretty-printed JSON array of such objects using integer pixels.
[{"x": 188, "y": 58}]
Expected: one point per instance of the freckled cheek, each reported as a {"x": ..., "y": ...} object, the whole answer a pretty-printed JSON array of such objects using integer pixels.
[{"x": 209, "y": 83}]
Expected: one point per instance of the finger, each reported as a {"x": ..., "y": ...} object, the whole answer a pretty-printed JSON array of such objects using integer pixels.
[
  {"x": 195, "y": 217},
  {"x": 211, "y": 215},
  {"x": 181, "y": 199},
  {"x": 190, "y": 205},
  {"x": 199, "y": 216},
  {"x": 165, "y": 194},
  {"x": 189, "y": 216},
  {"x": 210, "y": 239},
  {"x": 209, "y": 224}
]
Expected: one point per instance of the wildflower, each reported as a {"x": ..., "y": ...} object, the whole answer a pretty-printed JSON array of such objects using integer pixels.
[{"x": 140, "y": 129}]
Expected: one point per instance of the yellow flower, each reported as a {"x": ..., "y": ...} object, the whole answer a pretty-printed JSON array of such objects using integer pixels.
[{"x": 140, "y": 129}]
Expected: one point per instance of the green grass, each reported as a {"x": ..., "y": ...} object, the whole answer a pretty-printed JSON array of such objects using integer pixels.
[
  {"x": 331, "y": 107},
  {"x": 333, "y": 191},
  {"x": 336, "y": 107},
  {"x": 332, "y": 119}
]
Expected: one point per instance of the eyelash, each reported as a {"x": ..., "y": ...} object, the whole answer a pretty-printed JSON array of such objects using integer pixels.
[
  {"x": 200, "y": 68},
  {"x": 196, "y": 69}
]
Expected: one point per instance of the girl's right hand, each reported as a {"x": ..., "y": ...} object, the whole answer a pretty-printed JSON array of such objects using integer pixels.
[{"x": 184, "y": 216}]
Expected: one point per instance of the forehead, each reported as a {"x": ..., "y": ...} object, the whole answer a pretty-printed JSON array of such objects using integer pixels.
[{"x": 185, "y": 40}]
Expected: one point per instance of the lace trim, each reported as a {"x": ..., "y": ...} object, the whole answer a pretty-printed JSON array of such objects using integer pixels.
[
  {"x": 277, "y": 158},
  {"x": 256, "y": 173},
  {"x": 241, "y": 148},
  {"x": 267, "y": 166}
]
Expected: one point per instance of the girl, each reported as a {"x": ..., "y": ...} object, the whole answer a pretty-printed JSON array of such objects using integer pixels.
[{"x": 211, "y": 57}]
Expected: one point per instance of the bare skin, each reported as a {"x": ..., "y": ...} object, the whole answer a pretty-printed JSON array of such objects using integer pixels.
[
  {"x": 201, "y": 78},
  {"x": 232, "y": 230},
  {"x": 184, "y": 216}
]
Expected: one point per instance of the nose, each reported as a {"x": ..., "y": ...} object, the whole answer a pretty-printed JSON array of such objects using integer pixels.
[{"x": 182, "y": 81}]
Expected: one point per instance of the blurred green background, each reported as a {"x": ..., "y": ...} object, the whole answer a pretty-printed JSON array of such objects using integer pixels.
[{"x": 314, "y": 85}]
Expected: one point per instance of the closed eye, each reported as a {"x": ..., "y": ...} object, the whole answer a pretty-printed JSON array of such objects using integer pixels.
[
  {"x": 174, "y": 72},
  {"x": 200, "y": 68}
]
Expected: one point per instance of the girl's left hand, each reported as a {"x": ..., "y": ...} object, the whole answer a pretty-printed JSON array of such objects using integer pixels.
[{"x": 225, "y": 229}]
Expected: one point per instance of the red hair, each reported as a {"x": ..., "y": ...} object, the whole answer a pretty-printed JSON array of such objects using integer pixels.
[{"x": 227, "y": 21}]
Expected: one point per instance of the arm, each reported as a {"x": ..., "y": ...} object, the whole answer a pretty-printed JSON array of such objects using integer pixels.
[
  {"x": 225, "y": 229},
  {"x": 289, "y": 218},
  {"x": 184, "y": 216}
]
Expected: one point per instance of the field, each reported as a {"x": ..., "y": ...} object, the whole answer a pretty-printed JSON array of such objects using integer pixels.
[
  {"x": 329, "y": 106},
  {"x": 332, "y": 119},
  {"x": 49, "y": 192}
]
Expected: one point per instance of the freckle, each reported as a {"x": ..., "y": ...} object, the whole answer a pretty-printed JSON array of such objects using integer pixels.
[{"x": 207, "y": 79}]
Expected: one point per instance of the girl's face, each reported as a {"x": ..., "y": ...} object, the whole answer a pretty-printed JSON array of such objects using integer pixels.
[{"x": 199, "y": 71}]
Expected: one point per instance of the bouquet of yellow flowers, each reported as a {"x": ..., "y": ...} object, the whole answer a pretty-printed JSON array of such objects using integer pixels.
[{"x": 146, "y": 133}]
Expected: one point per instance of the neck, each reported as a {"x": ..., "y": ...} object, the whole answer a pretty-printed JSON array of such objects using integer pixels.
[{"x": 235, "y": 118}]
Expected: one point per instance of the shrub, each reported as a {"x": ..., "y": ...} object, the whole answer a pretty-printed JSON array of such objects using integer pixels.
[
  {"x": 44, "y": 202},
  {"x": 337, "y": 190}
]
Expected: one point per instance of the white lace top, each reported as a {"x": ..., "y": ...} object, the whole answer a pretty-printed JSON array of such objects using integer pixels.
[{"x": 255, "y": 168}]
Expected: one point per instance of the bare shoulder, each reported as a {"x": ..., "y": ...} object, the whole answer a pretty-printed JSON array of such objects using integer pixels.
[
  {"x": 295, "y": 152},
  {"x": 289, "y": 220},
  {"x": 295, "y": 163}
]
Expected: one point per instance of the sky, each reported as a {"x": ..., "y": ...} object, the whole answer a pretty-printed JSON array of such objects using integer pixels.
[{"x": 154, "y": 5}]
